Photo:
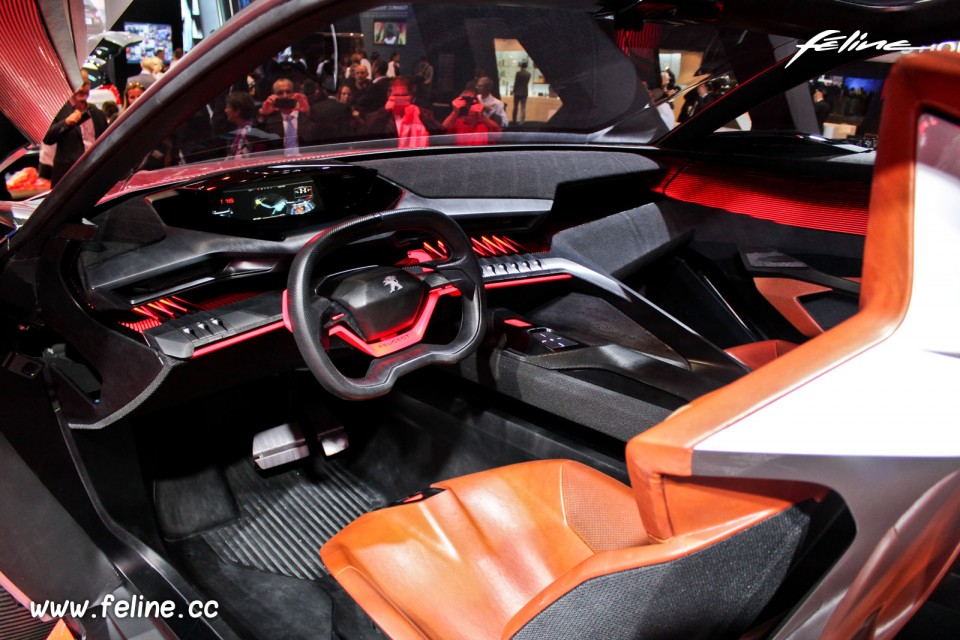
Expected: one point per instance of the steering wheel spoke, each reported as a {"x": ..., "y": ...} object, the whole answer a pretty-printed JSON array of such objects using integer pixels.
[{"x": 386, "y": 311}]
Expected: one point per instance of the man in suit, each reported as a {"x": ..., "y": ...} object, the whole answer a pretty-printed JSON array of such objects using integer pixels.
[
  {"x": 74, "y": 129},
  {"x": 521, "y": 86},
  {"x": 285, "y": 115},
  {"x": 375, "y": 96}
]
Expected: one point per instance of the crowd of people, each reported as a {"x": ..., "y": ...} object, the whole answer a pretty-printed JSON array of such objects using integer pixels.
[
  {"x": 283, "y": 106},
  {"x": 79, "y": 123}
]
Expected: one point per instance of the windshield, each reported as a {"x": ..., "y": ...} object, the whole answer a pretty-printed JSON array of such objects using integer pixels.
[{"x": 427, "y": 75}]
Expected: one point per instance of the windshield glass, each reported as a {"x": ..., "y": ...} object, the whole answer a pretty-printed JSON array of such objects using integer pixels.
[{"x": 425, "y": 75}]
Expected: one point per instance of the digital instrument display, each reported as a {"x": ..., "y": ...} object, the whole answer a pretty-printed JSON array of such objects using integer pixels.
[{"x": 267, "y": 202}]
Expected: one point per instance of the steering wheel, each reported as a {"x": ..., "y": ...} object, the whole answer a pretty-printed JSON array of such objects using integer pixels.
[{"x": 383, "y": 311}]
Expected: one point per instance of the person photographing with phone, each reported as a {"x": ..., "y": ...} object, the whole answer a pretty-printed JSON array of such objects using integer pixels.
[
  {"x": 74, "y": 129},
  {"x": 402, "y": 119},
  {"x": 285, "y": 114},
  {"x": 468, "y": 120}
]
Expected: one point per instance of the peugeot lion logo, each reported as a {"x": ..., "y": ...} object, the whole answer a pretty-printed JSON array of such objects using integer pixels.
[{"x": 393, "y": 283}]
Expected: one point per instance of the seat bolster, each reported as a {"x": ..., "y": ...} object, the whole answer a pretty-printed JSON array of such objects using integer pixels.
[
  {"x": 460, "y": 563},
  {"x": 388, "y": 617}
]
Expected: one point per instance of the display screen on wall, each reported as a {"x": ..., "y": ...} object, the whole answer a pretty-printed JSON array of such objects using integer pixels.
[
  {"x": 390, "y": 32},
  {"x": 155, "y": 37}
]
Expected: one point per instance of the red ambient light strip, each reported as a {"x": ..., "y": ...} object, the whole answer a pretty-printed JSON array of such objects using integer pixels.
[
  {"x": 484, "y": 246},
  {"x": 237, "y": 338},
  {"x": 389, "y": 345},
  {"x": 516, "y": 283},
  {"x": 142, "y": 325},
  {"x": 286, "y": 313},
  {"x": 823, "y": 204},
  {"x": 400, "y": 341}
]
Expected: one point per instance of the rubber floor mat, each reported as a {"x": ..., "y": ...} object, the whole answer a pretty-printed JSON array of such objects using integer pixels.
[{"x": 285, "y": 519}]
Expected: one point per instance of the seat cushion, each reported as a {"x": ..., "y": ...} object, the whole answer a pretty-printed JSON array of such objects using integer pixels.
[
  {"x": 461, "y": 563},
  {"x": 757, "y": 354}
]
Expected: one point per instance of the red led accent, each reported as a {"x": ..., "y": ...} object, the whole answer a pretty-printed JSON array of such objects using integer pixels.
[
  {"x": 286, "y": 312},
  {"x": 495, "y": 247},
  {"x": 517, "y": 322},
  {"x": 508, "y": 244},
  {"x": 479, "y": 248},
  {"x": 522, "y": 281},
  {"x": 419, "y": 255},
  {"x": 224, "y": 300},
  {"x": 170, "y": 303},
  {"x": 812, "y": 203},
  {"x": 400, "y": 341},
  {"x": 484, "y": 246},
  {"x": 162, "y": 309},
  {"x": 502, "y": 284},
  {"x": 238, "y": 338},
  {"x": 336, "y": 317},
  {"x": 142, "y": 325},
  {"x": 145, "y": 312},
  {"x": 438, "y": 253}
]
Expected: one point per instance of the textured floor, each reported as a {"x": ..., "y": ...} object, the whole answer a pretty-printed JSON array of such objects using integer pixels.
[
  {"x": 285, "y": 519},
  {"x": 16, "y": 621}
]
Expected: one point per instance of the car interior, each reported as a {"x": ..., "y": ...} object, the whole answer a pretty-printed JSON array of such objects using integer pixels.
[
  {"x": 600, "y": 324},
  {"x": 430, "y": 364}
]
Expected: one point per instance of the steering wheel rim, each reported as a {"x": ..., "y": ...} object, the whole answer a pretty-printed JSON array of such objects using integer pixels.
[{"x": 308, "y": 311}]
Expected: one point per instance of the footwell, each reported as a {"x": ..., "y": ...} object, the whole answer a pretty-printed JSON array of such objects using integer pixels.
[{"x": 286, "y": 518}]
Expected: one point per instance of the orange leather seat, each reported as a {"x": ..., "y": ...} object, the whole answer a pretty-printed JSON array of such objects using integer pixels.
[
  {"x": 499, "y": 553},
  {"x": 757, "y": 354}
]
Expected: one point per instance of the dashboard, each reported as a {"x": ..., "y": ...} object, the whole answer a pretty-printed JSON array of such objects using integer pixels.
[
  {"x": 178, "y": 274},
  {"x": 197, "y": 268}
]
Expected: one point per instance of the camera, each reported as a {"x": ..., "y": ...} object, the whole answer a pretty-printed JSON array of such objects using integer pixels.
[
  {"x": 285, "y": 103},
  {"x": 470, "y": 100}
]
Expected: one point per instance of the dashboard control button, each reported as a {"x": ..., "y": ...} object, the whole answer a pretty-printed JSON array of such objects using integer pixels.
[{"x": 216, "y": 326}]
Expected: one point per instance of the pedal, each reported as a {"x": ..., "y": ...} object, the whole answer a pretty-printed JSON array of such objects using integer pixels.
[
  {"x": 323, "y": 428},
  {"x": 333, "y": 441},
  {"x": 278, "y": 446}
]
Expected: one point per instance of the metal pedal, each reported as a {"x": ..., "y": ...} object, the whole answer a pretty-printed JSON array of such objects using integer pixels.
[
  {"x": 280, "y": 445},
  {"x": 333, "y": 440}
]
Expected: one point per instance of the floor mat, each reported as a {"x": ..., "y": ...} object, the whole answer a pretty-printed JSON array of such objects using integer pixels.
[{"x": 285, "y": 519}]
